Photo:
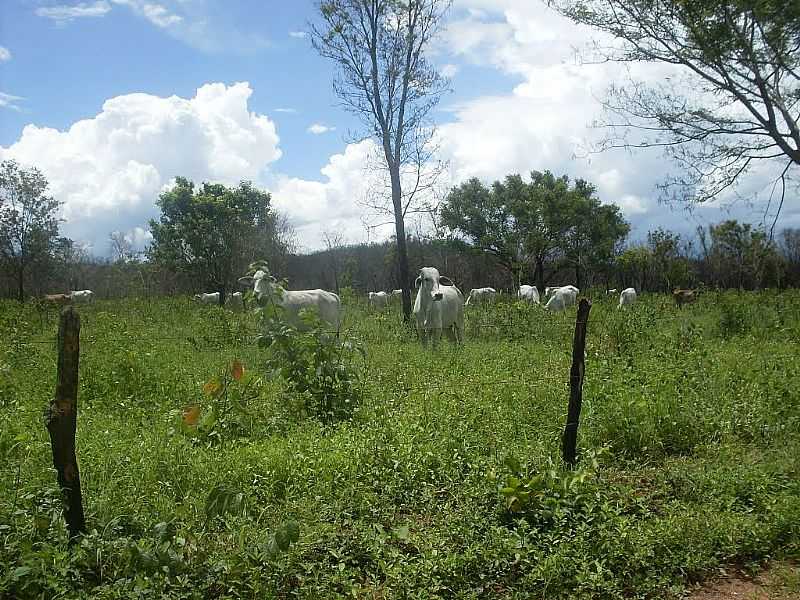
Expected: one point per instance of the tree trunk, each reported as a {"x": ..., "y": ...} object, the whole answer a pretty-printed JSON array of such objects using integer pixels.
[
  {"x": 222, "y": 293},
  {"x": 539, "y": 275},
  {"x": 578, "y": 282},
  {"x": 21, "y": 282},
  {"x": 402, "y": 249}
]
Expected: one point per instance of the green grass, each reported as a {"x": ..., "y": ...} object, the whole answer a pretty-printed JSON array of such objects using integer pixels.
[{"x": 690, "y": 438}]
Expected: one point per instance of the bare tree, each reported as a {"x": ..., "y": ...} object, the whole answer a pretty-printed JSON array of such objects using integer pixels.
[
  {"x": 736, "y": 102},
  {"x": 384, "y": 78}
]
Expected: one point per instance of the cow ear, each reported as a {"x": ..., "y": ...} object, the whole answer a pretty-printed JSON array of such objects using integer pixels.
[
  {"x": 445, "y": 280},
  {"x": 418, "y": 282},
  {"x": 246, "y": 281}
]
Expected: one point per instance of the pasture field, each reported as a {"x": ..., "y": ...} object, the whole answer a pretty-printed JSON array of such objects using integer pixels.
[{"x": 445, "y": 483}]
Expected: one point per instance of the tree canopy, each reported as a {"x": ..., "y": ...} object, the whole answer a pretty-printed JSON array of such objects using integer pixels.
[
  {"x": 212, "y": 233},
  {"x": 29, "y": 222},
  {"x": 547, "y": 223},
  {"x": 739, "y": 102}
]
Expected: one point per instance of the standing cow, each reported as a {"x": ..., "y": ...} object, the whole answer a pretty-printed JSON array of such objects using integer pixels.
[
  {"x": 439, "y": 306},
  {"x": 627, "y": 297},
  {"x": 528, "y": 293},
  {"x": 81, "y": 296},
  {"x": 327, "y": 303},
  {"x": 484, "y": 295}
]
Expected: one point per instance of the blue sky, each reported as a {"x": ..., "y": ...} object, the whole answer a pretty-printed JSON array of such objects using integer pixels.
[{"x": 120, "y": 96}]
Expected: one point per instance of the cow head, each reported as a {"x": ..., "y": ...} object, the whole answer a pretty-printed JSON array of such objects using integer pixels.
[
  {"x": 262, "y": 283},
  {"x": 428, "y": 282}
]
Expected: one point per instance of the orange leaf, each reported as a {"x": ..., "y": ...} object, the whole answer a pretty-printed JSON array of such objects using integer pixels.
[
  {"x": 212, "y": 388},
  {"x": 237, "y": 370},
  {"x": 191, "y": 414}
]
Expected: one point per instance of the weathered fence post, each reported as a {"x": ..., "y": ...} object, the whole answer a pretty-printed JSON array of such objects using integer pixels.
[
  {"x": 570, "y": 438},
  {"x": 61, "y": 418}
]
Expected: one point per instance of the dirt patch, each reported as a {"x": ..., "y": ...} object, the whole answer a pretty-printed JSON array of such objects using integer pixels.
[{"x": 781, "y": 581}]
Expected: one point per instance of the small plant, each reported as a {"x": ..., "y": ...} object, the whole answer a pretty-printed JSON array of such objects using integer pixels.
[
  {"x": 551, "y": 496},
  {"x": 320, "y": 368},
  {"x": 226, "y": 410}
]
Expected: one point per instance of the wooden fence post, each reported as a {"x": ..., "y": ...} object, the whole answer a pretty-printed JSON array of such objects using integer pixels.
[
  {"x": 570, "y": 437},
  {"x": 61, "y": 418}
]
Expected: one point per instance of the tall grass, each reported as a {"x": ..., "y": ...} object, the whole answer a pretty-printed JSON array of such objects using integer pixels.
[{"x": 692, "y": 417}]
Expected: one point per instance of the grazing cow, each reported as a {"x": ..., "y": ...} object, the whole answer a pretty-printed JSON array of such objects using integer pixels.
[
  {"x": 562, "y": 298},
  {"x": 550, "y": 290},
  {"x": 293, "y": 301},
  {"x": 627, "y": 297},
  {"x": 528, "y": 293},
  {"x": 235, "y": 302},
  {"x": 81, "y": 296},
  {"x": 612, "y": 291},
  {"x": 378, "y": 299},
  {"x": 207, "y": 298},
  {"x": 684, "y": 296},
  {"x": 58, "y": 299},
  {"x": 481, "y": 295},
  {"x": 439, "y": 306}
]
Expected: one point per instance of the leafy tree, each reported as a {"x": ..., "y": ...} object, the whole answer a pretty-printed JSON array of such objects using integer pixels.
[
  {"x": 545, "y": 221},
  {"x": 670, "y": 268},
  {"x": 634, "y": 266},
  {"x": 738, "y": 101},
  {"x": 739, "y": 255},
  {"x": 28, "y": 222},
  {"x": 214, "y": 232},
  {"x": 384, "y": 77}
]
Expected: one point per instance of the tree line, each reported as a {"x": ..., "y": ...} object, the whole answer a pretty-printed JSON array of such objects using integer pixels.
[{"x": 545, "y": 230}]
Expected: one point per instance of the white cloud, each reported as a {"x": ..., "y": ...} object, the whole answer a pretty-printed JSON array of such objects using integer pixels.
[
  {"x": 298, "y": 34},
  {"x": 63, "y": 13},
  {"x": 160, "y": 16},
  {"x": 286, "y": 110},
  {"x": 5, "y": 54},
  {"x": 10, "y": 101},
  {"x": 334, "y": 204},
  {"x": 319, "y": 129},
  {"x": 157, "y": 14},
  {"x": 449, "y": 70},
  {"x": 109, "y": 170}
]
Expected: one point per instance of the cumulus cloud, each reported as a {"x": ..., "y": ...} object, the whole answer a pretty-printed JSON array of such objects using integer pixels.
[
  {"x": 544, "y": 120},
  {"x": 5, "y": 54},
  {"x": 63, "y": 13},
  {"x": 298, "y": 34},
  {"x": 333, "y": 204},
  {"x": 319, "y": 129},
  {"x": 108, "y": 170},
  {"x": 286, "y": 110}
]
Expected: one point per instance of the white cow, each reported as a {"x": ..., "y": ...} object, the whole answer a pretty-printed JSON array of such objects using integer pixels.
[
  {"x": 207, "y": 298},
  {"x": 397, "y": 293},
  {"x": 235, "y": 302},
  {"x": 562, "y": 298},
  {"x": 627, "y": 297},
  {"x": 528, "y": 293},
  {"x": 611, "y": 291},
  {"x": 378, "y": 299},
  {"x": 481, "y": 295},
  {"x": 550, "y": 290},
  {"x": 81, "y": 296},
  {"x": 439, "y": 306},
  {"x": 293, "y": 301}
]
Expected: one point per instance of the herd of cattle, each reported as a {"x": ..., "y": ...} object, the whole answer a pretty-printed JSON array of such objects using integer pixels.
[{"x": 438, "y": 306}]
